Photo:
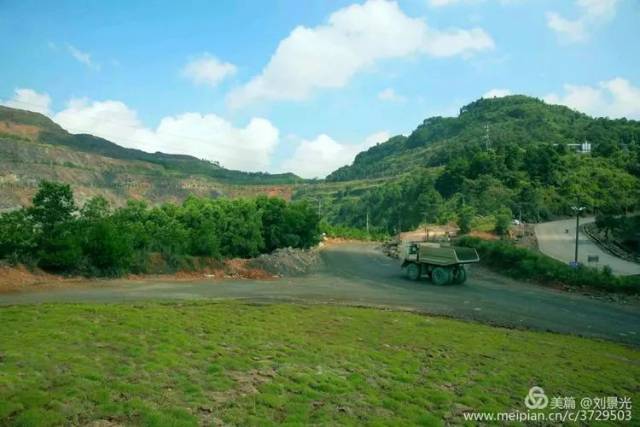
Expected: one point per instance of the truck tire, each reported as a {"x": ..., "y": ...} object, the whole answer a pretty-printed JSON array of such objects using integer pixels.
[
  {"x": 441, "y": 276},
  {"x": 413, "y": 271},
  {"x": 460, "y": 275}
]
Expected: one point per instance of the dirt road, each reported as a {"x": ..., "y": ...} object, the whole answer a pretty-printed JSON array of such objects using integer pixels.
[
  {"x": 358, "y": 274},
  {"x": 555, "y": 241}
]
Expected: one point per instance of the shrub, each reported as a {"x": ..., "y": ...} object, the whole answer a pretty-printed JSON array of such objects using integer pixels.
[{"x": 522, "y": 263}]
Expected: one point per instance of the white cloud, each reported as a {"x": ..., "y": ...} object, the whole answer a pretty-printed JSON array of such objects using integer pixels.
[
  {"x": 390, "y": 94},
  {"x": 208, "y": 70},
  {"x": 201, "y": 135},
  {"x": 320, "y": 156},
  {"x": 353, "y": 39},
  {"x": 592, "y": 14},
  {"x": 82, "y": 57},
  {"x": 440, "y": 3},
  {"x": 613, "y": 98},
  {"x": 29, "y": 99},
  {"x": 497, "y": 93}
]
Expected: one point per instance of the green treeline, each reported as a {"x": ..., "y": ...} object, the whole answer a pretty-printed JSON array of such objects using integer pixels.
[
  {"x": 534, "y": 183},
  {"x": 56, "y": 235}
]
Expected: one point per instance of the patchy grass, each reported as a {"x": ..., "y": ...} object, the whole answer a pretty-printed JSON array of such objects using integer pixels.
[{"x": 212, "y": 363}]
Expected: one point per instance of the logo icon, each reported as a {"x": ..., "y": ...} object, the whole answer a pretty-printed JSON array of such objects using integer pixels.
[{"x": 536, "y": 399}]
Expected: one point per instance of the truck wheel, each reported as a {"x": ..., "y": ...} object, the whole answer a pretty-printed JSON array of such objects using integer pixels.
[
  {"x": 460, "y": 275},
  {"x": 413, "y": 271},
  {"x": 441, "y": 276}
]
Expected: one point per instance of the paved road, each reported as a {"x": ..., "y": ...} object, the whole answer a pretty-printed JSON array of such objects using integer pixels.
[
  {"x": 554, "y": 241},
  {"x": 358, "y": 274}
]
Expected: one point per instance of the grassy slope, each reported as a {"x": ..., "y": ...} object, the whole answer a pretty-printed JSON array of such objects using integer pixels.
[{"x": 186, "y": 364}]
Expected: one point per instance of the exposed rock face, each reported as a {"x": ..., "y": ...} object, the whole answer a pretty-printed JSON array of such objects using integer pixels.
[{"x": 33, "y": 148}]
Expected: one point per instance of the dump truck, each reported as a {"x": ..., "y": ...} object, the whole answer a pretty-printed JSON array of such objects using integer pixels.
[{"x": 443, "y": 263}]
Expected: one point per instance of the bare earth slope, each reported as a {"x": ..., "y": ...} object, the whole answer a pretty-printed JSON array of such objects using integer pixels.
[{"x": 357, "y": 274}]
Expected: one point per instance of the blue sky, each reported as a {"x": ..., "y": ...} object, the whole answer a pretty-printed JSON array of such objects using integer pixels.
[{"x": 304, "y": 86}]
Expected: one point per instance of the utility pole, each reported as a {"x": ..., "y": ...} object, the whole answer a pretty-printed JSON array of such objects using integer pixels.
[
  {"x": 367, "y": 221},
  {"x": 577, "y": 209},
  {"x": 487, "y": 141},
  {"x": 426, "y": 230}
]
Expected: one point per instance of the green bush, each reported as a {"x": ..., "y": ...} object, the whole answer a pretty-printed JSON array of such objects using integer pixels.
[
  {"x": 522, "y": 263},
  {"x": 57, "y": 236}
]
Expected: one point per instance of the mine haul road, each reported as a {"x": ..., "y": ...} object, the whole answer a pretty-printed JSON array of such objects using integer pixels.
[
  {"x": 358, "y": 274},
  {"x": 557, "y": 239}
]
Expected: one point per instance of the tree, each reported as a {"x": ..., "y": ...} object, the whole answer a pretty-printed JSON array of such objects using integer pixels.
[
  {"x": 53, "y": 204},
  {"x": 95, "y": 208},
  {"x": 465, "y": 217},
  {"x": 503, "y": 221},
  {"x": 107, "y": 248},
  {"x": 18, "y": 236},
  {"x": 452, "y": 179},
  {"x": 59, "y": 245},
  {"x": 272, "y": 211}
]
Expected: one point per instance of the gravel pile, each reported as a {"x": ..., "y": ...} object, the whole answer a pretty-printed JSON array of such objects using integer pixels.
[{"x": 287, "y": 261}]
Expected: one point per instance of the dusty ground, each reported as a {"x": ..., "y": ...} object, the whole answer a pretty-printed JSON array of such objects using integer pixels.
[
  {"x": 358, "y": 274},
  {"x": 13, "y": 279},
  {"x": 20, "y": 278},
  {"x": 434, "y": 232}
]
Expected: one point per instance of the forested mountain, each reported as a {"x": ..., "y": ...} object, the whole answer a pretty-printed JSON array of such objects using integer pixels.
[
  {"x": 44, "y": 130},
  {"x": 500, "y": 124},
  {"x": 500, "y": 157}
]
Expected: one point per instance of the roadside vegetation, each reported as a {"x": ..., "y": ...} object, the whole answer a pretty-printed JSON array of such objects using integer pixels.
[
  {"x": 237, "y": 364},
  {"x": 525, "y": 264},
  {"x": 57, "y": 236},
  {"x": 619, "y": 234},
  {"x": 352, "y": 233}
]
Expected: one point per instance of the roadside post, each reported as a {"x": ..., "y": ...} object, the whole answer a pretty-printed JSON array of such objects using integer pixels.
[{"x": 577, "y": 209}]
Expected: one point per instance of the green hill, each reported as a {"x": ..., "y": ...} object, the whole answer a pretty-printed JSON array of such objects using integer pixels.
[
  {"x": 512, "y": 120},
  {"x": 501, "y": 157}
]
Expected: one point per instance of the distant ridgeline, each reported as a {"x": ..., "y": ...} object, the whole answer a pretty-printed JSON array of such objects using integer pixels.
[
  {"x": 514, "y": 155},
  {"x": 48, "y": 132}
]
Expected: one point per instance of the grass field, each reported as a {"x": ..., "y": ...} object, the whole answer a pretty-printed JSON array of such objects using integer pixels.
[{"x": 233, "y": 363}]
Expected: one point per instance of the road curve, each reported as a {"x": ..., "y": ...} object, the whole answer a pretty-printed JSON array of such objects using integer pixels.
[
  {"x": 556, "y": 242},
  {"x": 357, "y": 274}
]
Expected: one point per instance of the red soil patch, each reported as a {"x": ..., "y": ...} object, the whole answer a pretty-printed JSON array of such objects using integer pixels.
[
  {"x": 13, "y": 279},
  {"x": 19, "y": 278},
  {"x": 483, "y": 235},
  {"x": 24, "y": 131}
]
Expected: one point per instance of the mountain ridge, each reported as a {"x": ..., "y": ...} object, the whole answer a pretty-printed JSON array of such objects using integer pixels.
[
  {"x": 53, "y": 134},
  {"x": 519, "y": 118}
]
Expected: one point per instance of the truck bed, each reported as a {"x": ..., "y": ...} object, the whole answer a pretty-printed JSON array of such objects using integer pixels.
[{"x": 450, "y": 255}]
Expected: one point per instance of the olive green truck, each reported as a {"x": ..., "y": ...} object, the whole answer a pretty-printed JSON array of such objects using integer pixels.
[{"x": 442, "y": 263}]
